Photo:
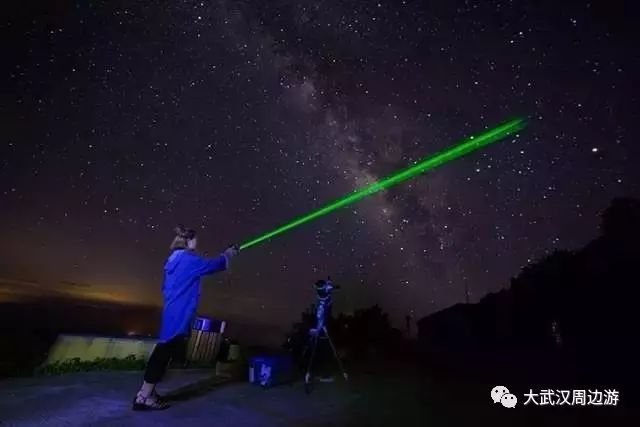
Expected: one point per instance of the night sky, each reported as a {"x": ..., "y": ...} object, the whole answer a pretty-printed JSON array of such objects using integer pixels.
[{"x": 122, "y": 119}]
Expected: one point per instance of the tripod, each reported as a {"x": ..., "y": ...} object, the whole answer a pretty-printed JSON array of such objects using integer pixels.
[{"x": 316, "y": 335}]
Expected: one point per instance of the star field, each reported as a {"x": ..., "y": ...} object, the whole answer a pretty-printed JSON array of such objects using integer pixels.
[{"x": 122, "y": 120}]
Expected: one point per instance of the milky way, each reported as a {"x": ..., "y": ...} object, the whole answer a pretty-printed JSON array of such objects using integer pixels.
[{"x": 123, "y": 119}]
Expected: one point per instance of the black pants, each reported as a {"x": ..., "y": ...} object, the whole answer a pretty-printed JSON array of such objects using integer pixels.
[{"x": 162, "y": 354}]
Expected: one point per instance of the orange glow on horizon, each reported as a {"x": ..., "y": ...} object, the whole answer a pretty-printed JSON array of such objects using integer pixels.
[{"x": 14, "y": 290}]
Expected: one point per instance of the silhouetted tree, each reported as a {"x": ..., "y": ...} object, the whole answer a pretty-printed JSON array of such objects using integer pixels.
[
  {"x": 587, "y": 298},
  {"x": 620, "y": 221},
  {"x": 540, "y": 297}
]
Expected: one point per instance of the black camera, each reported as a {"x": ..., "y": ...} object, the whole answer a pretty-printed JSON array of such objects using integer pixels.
[{"x": 324, "y": 288}]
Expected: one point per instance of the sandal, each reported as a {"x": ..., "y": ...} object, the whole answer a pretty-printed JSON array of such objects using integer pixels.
[
  {"x": 158, "y": 397},
  {"x": 141, "y": 403}
]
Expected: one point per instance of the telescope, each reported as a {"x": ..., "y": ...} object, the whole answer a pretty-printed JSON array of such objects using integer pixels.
[{"x": 324, "y": 288}]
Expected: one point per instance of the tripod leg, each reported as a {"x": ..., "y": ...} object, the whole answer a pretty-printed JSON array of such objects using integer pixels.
[
  {"x": 335, "y": 354},
  {"x": 307, "y": 376}
]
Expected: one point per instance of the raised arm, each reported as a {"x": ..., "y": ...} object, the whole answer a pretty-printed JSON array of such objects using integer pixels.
[
  {"x": 212, "y": 265},
  {"x": 220, "y": 263}
]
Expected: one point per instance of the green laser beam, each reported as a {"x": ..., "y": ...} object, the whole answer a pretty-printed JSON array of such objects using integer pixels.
[{"x": 471, "y": 144}]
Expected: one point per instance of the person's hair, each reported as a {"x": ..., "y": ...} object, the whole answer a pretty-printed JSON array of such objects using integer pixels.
[{"x": 182, "y": 236}]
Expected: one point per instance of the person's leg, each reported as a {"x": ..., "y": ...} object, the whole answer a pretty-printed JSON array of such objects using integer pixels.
[
  {"x": 156, "y": 368},
  {"x": 162, "y": 355},
  {"x": 158, "y": 363},
  {"x": 179, "y": 350}
]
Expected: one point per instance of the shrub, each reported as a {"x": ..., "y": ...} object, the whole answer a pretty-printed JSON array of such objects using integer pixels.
[{"x": 129, "y": 363}]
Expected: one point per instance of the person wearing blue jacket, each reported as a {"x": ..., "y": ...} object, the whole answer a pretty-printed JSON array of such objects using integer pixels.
[{"x": 181, "y": 291}]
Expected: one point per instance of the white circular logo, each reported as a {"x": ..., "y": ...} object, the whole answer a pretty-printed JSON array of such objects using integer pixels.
[
  {"x": 509, "y": 400},
  {"x": 497, "y": 392}
]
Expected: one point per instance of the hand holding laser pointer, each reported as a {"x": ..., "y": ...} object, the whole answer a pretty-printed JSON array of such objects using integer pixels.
[{"x": 231, "y": 252}]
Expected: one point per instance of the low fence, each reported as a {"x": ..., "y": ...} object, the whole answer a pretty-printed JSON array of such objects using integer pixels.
[
  {"x": 89, "y": 348},
  {"x": 203, "y": 346}
]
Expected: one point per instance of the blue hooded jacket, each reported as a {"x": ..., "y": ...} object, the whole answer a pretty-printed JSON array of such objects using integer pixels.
[{"x": 181, "y": 290}]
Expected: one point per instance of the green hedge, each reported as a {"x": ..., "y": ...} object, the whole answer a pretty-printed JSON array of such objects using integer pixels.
[{"x": 129, "y": 363}]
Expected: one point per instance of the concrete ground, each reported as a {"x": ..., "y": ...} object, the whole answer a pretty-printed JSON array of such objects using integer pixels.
[
  {"x": 384, "y": 398},
  {"x": 198, "y": 398}
]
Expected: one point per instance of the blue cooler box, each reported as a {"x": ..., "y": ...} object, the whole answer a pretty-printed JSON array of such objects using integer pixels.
[{"x": 270, "y": 370}]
